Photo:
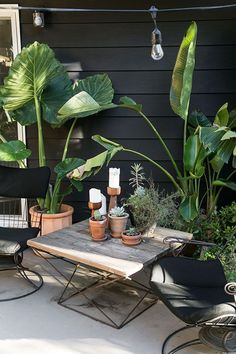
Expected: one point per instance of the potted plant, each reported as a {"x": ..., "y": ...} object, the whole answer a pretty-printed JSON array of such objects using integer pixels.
[
  {"x": 97, "y": 224},
  {"x": 117, "y": 220},
  {"x": 131, "y": 237},
  {"x": 38, "y": 90},
  {"x": 148, "y": 207}
]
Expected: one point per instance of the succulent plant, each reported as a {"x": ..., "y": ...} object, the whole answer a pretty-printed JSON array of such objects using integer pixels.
[
  {"x": 97, "y": 215},
  {"x": 117, "y": 211},
  {"x": 132, "y": 231}
]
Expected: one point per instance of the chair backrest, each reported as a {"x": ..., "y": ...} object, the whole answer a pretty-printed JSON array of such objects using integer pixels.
[
  {"x": 24, "y": 182},
  {"x": 189, "y": 271}
]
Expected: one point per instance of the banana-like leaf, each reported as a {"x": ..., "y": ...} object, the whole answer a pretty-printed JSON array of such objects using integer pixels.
[
  {"x": 78, "y": 185},
  {"x": 188, "y": 207},
  {"x": 99, "y": 87},
  {"x": 181, "y": 84},
  {"x": 127, "y": 102},
  {"x": 68, "y": 165},
  {"x": 211, "y": 137},
  {"x": 14, "y": 150},
  {"x": 92, "y": 166},
  {"x": 229, "y": 135},
  {"x": 217, "y": 163},
  {"x": 35, "y": 73},
  {"x": 225, "y": 183},
  {"x": 222, "y": 116},
  {"x": 194, "y": 156},
  {"x": 107, "y": 144},
  {"x": 197, "y": 118}
]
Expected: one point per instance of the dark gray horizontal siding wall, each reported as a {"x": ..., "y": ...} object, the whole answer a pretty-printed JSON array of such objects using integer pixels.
[{"x": 119, "y": 44}]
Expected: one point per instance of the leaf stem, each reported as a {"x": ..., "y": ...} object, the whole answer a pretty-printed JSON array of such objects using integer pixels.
[
  {"x": 162, "y": 142},
  {"x": 158, "y": 166}
]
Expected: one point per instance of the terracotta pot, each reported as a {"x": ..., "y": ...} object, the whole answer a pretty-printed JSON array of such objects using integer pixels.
[
  {"x": 52, "y": 222},
  {"x": 131, "y": 240},
  {"x": 118, "y": 225},
  {"x": 97, "y": 229}
]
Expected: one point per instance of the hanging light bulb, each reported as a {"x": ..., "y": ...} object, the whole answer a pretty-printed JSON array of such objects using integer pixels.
[
  {"x": 38, "y": 19},
  {"x": 156, "y": 39},
  {"x": 157, "y": 51}
]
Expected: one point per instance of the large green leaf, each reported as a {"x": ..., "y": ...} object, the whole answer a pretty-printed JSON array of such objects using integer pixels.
[
  {"x": 14, "y": 150},
  {"x": 211, "y": 137},
  {"x": 188, "y": 207},
  {"x": 222, "y": 116},
  {"x": 98, "y": 86},
  {"x": 225, "y": 183},
  {"x": 197, "y": 118},
  {"x": 35, "y": 73},
  {"x": 81, "y": 104},
  {"x": 67, "y": 165},
  {"x": 107, "y": 144},
  {"x": 127, "y": 102},
  {"x": 181, "y": 84},
  {"x": 194, "y": 156}
]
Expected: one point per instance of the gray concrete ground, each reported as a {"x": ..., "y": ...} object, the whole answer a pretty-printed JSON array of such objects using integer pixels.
[{"x": 38, "y": 325}]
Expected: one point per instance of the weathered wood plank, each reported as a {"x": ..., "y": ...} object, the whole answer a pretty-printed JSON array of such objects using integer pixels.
[{"x": 75, "y": 243}]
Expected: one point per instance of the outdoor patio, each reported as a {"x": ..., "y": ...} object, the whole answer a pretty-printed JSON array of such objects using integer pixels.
[
  {"x": 117, "y": 177},
  {"x": 38, "y": 325}
]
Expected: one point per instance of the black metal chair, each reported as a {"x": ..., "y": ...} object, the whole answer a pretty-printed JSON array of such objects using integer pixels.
[
  {"x": 197, "y": 292},
  {"x": 19, "y": 187}
]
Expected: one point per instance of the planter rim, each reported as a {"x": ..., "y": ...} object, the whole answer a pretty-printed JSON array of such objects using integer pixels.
[
  {"x": 68, "y": 210},
  {"x": 119, "y": 217},
  {"x": 138, "y": 235},
  {"x": 100, "y": 222}
]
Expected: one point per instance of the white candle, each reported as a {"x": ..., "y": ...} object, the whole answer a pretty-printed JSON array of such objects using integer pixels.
[
  {"x": 103, "y": 209},
  {"x": 114, "y": 177},
  {"x": 95, "y": 195}
]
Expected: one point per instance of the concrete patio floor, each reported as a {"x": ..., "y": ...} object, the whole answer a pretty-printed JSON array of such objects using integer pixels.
[{"x": 38, "y": 325}]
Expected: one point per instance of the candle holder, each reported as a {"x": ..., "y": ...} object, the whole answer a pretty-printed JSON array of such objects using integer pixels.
[
  {"x": 94, "y": 206},
  {"x": 113, "y": 193}
]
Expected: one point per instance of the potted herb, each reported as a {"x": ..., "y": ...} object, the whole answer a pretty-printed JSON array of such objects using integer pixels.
[
  {"x": 38, "y": 91},
  {"x": 131, "y": 237},
  {"x": 117, "y": 220},
  {"x": 97, "y": 224},
  {"x": 150, "y": 207}
]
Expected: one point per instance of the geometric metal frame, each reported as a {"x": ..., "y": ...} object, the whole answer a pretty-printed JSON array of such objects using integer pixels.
[{"x": 110, "y": 278}]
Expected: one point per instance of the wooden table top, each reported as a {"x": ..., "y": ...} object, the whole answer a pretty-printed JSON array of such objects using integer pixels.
[{"x": 75, "y": 243}]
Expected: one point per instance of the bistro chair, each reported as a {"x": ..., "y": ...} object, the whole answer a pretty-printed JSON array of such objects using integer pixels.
[
  {"x": 18, "y": 188},
  {"x": 197, "y": 292}
]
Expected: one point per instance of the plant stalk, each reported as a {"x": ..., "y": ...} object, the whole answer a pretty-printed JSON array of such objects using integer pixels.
[
  {"x": 162, "y": 142},
  {"x": 179, "y": 189}
]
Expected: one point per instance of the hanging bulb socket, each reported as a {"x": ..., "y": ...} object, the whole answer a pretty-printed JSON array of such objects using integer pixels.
[
  {"x": 38, "y": 19},
  {"x": 156, "y": 40}
]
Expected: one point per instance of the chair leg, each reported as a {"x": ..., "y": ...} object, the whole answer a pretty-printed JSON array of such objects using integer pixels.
[
  {"x": 163, "y": 351},
  {"x": 23, "y": 272}
]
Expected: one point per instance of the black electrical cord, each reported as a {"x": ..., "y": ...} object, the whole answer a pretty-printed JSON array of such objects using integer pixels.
[{"x": 152, "y": 9}]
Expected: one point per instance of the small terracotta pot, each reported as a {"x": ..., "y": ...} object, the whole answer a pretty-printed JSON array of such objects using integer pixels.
[
  {"x": 52, "y": 222},
  {"x": 118, "y": 225},
  {"x": 97, "y": 229},
  {"x": 131, "y": 240}
]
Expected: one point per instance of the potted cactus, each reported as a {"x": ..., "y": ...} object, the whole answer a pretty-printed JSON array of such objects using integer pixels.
[
  {"x": 97, "y": 224},
  {"x": 131, "y": 237},
  {"x": 117, "y": 220}
]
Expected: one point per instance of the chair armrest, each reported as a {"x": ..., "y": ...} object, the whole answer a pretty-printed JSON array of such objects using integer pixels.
[
  {"x": 178, "y": 243},
  {"x": 230, "y": 289},
  {"x": 9, "y": 247}
]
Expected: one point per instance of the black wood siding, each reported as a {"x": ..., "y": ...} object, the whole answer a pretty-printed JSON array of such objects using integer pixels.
[{"x": 119, "y": 44}]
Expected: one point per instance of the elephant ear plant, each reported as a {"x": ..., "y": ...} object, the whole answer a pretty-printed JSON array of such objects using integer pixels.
[{"x": 39, "y": 89}]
